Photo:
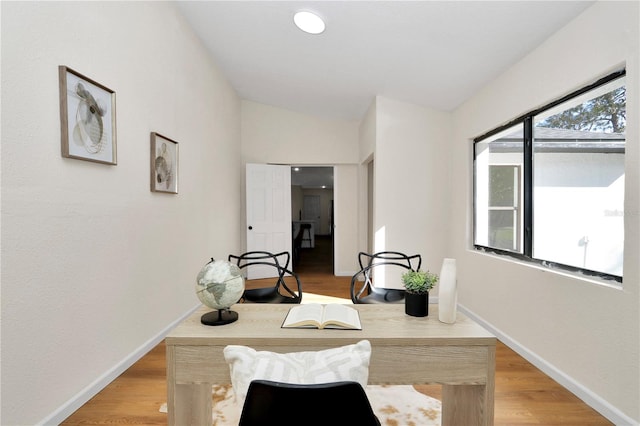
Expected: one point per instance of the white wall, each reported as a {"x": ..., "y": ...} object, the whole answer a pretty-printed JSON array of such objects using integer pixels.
[
  {"x": 582, "y": 332},
  {"x": 367, "y": 133},
  {"x": 365, "y": 194},
  {"x": 279, "y": 136},
  {"x": 95, "y": 267},
  {"x": 411, "y": 189},
  {"x": 276, "y": 135}
]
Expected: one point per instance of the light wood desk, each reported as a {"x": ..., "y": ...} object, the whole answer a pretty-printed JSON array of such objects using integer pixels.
[{"x": 405, "y": 350}]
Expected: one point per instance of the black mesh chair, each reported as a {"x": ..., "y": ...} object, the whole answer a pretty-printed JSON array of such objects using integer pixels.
[
  {"x": 283, "y": 404},
  {"x": 363, "y": 289},
  {"x": 277, "y": 265}
]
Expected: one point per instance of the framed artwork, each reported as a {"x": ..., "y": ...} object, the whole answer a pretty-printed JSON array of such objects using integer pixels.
[
  {"x": 164, "y": 164},
  {"x": 87, "y": 118}
]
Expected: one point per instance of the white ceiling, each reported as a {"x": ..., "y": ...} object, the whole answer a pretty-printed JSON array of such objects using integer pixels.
[{"x": 431, "y": 53}]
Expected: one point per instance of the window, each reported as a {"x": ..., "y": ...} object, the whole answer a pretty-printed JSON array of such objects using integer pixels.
[
  {"x": 498, "y": 165},
  {"x": 504, "y": 207},
  {"x": 549, "y": 186}
]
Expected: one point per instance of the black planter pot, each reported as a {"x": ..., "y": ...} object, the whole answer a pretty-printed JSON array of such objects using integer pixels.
[{"x": 416, "y": 305}]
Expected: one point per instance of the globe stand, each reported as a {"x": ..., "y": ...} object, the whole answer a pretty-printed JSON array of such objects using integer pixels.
[{"x": 219, "y": 317}]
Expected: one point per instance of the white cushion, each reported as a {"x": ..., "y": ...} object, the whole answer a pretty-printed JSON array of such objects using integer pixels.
[{"x": 349, "y": 362}]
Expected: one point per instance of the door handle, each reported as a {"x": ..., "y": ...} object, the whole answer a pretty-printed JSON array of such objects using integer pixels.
[{"x": 250, "y": 227}]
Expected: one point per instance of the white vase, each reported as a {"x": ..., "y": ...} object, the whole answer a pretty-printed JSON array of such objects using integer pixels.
[{"x": 448, "y": 292}]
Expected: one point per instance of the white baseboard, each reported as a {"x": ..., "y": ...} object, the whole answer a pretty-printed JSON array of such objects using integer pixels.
[
  {"x": 589, "y": 397},
  {"x": 69, "y": 407}
]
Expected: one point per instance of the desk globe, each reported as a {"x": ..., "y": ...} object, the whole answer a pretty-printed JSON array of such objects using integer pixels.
[{"x": 219, "y": 285}]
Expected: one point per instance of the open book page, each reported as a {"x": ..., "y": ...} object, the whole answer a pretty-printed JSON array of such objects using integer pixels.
[
  {"x": 341, "y": 316},
  {"x": 315, "y": 315},
  {"x": 309, "y": 315}
]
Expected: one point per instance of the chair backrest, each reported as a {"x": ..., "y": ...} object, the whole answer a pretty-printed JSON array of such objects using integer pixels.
[
  {"x": 279, "y": 292},
  {"x": 285, "y": 404},
  {"x": 362, "y": 288}
]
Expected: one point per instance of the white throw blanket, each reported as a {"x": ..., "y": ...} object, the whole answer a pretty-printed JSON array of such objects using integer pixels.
[{"x": 393, "y": 404}]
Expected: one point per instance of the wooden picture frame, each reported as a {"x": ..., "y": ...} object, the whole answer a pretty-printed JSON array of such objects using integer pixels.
[
  {"x": 164, "y": 164},
  {"x": 87, "y": 118}
]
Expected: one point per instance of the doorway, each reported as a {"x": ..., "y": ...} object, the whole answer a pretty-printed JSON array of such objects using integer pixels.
[{"x": 312, "y": 204}]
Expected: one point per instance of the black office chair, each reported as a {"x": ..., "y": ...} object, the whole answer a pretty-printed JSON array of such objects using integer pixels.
[
  {"x": 283, "y": 404},
  {"x": 362, "y": 287},
  {"x": 279, "y": 292}
]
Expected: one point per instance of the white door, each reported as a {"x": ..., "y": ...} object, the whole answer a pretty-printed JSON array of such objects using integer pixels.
[
  {"x": 268, "y": 189},
  {"x": 311, "y": 209}
]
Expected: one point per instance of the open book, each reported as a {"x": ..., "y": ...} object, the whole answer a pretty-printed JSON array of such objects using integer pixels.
[{"x": 316, "y": 315}]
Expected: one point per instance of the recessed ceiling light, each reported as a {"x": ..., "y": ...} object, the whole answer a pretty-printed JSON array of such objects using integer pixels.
[{"x": 309, "y": 22}]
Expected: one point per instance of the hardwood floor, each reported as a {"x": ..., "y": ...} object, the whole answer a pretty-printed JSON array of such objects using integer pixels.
[{"x": 523, "y": 394}]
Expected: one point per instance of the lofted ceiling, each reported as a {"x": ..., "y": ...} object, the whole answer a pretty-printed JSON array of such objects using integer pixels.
[
  {"x": 431, "y": 53},
  {"x": 435, "y": 54}
]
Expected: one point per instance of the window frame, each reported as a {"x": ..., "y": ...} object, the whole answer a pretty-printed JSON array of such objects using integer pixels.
[{"x": 527, "y": 121}]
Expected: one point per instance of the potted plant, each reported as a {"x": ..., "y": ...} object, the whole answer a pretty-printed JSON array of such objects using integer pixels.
[{"x": 417, "y": 285}]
